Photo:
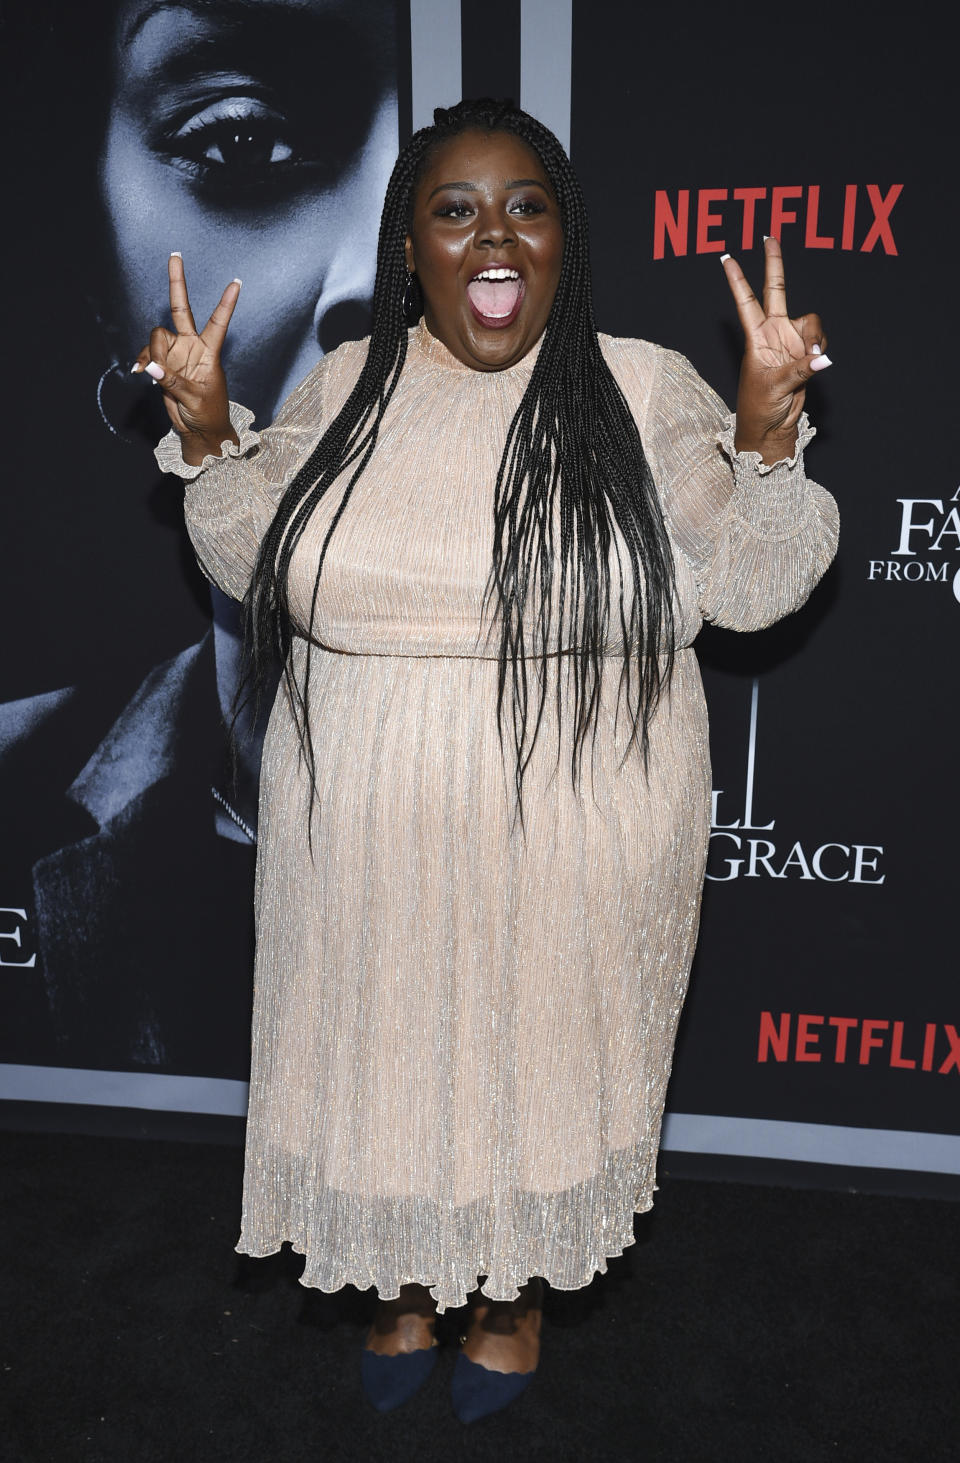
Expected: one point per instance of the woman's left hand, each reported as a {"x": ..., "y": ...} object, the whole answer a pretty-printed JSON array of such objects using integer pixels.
[{"x": 780, "y": 356}]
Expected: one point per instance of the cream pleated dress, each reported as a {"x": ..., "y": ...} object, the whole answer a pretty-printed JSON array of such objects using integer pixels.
[{"x": 463, "y": 1029}]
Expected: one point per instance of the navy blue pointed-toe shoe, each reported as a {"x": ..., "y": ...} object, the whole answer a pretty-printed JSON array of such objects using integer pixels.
[
  {"x": 477, "y": 1391},
  {"x": 390, "y": 1380}
]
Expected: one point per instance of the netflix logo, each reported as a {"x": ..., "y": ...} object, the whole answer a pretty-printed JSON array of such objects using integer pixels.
[
  {"x": 728, "y": 220},
  {"x": 863, "y": 1042}
]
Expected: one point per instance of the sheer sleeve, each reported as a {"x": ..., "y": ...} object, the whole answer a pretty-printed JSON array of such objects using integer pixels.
[
  {"x": 757, "y": 537},
  {"x": 230, "y": 500}
]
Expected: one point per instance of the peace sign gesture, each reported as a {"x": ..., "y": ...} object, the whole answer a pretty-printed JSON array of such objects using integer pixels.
[
  {"x": 780, "y": 356},
  {"x": 186, "y": 363}
]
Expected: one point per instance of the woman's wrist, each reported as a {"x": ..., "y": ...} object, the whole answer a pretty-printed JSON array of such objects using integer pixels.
[
  {"x": 772, "y": 446},
  {"x": 195, "y": 448}
]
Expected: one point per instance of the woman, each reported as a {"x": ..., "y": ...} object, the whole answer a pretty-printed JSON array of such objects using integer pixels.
[{"x": 485, "y": 547}]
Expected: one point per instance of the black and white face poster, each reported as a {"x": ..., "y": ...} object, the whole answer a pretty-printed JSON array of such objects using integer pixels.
[{"x": 257, "y": 139}]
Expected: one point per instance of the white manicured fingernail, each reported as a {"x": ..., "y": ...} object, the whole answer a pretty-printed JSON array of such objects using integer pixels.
[
  {"x": 238, "y": 281},
  {"x": 814, "y": 350},
  {"x": 821, "y": 363},
  {"x": 154, "y": 370},
  {"x": 724, "y": 258},
  {"x": 176, "y": 254},
  {"x": 135, "y": 368}
]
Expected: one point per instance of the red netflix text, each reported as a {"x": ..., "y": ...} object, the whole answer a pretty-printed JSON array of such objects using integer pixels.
[
  {"x": 927, "y": 1047},
  {"x": 724, "y": 220}
]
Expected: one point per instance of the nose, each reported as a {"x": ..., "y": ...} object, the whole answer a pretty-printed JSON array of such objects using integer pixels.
[{"x": 494, "y": 228}]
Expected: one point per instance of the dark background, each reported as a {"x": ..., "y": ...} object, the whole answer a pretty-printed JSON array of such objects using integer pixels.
[
  {"x": 857, "y": 693},
  {"x": 857, "y": 698}
]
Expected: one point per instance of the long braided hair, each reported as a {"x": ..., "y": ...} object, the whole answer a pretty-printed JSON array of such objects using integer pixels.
[{"x": 572, "y": 458}]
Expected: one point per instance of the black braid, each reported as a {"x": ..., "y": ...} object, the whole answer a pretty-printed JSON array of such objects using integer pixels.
[{"x": 573, "y": 445}]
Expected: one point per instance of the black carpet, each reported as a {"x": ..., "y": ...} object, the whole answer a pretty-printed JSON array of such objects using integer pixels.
[{"x": 747, "y": 1323}]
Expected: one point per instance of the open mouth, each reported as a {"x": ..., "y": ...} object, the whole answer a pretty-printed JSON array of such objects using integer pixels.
[{"x": 495, "y": 296}]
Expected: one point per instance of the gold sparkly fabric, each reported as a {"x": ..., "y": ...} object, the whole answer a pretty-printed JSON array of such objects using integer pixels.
[{"x": 463, "y": 1030}]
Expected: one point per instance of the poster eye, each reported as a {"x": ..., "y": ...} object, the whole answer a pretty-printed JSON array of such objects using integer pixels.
[
  {"x": 237, "y": 140},
  {"x": 244, "y": 147}
]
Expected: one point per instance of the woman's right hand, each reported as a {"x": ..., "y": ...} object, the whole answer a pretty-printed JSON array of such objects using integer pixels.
[{"x": 186, "y": 363}]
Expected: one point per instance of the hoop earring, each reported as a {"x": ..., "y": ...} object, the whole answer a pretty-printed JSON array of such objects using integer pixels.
[
  {"x": 112, "y": 369},
  {"x": 411, "y": 306}
]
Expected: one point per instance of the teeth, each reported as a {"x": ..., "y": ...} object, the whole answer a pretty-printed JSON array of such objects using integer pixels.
[{"x": 497, "y": 274}]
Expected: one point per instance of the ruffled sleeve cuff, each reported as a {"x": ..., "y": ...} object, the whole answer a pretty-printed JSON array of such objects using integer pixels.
[
  {"x": 169, "y": 454},
  {"x": 771, "y": 498}
]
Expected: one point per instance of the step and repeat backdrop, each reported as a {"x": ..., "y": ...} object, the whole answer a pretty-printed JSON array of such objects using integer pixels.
[
  {"x": 825, "y": 987},
  {"x": 823, "y": 1021}
]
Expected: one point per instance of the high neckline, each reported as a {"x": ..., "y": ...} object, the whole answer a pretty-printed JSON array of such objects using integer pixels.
[{"x": 437, "y": 354}]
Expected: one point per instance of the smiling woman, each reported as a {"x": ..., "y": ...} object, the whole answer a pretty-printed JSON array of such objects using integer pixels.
[
  {"x": 484, "y": 541},
  {"x": 487, "y": 254}
]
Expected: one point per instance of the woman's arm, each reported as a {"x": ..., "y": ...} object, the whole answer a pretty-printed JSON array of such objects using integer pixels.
[
  {"x": 235, "y": 476},
  {"x": 231, "y": 497},
  {"x": 758, "y": 535},
  {"x": 185, "y": 363},
  {"x": 780, "y": 356}
]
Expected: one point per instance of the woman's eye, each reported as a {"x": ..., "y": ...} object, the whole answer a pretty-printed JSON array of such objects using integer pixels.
[
  {"x": 235, "y": 140},
  {"x": 454, "y": 210},
  {"x": 527, "y": 206}
]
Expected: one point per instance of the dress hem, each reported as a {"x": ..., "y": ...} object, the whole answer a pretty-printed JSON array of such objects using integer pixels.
[{"x": 311, "y": 1281}]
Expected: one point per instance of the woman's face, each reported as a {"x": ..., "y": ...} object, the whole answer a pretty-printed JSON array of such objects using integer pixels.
[
  {"x": 256, "y": 137},
  {"x": 485, "y": 204}
]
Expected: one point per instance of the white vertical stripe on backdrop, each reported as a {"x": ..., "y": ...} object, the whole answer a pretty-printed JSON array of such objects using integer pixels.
[
  {"x": 435, "y": 58},
  {"x": 546, "y": 48}
]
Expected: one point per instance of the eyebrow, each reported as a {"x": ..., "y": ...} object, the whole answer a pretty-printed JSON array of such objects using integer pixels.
[
  {"x": 472, "y": 187},
  {"x": 214, "y": 9}
]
